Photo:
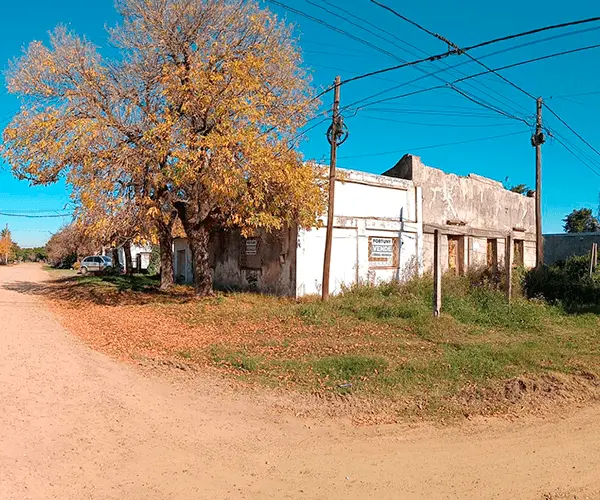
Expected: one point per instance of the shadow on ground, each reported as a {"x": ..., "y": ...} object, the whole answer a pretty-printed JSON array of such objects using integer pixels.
[{"x": 109, "y": 291}]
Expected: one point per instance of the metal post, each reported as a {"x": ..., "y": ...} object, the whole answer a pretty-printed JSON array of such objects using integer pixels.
[
  {"x": 330, "y": 210},
  {"x": 437, "y": 273}
]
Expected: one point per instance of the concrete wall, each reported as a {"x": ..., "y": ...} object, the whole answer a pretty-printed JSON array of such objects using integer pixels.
[
  {"x": 266, "y": 265},
  {"x": 367, "y": 217},
  {"x": 559, "y": 247},
  {"x": 264, "y": 262},
  {"x": 472, "y": 208}
]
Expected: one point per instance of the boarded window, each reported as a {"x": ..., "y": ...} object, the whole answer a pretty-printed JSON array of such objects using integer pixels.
[
  {"x": 456, "y": 254},
  {"x": 250, "y": 253},
  {"x": 492, "y": 254},
  {"x": 383, "y": 252},
  {"x": 518, "y": 253}
]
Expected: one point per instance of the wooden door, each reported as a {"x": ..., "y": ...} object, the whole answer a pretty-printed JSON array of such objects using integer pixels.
[
  {"x": 492, "y": 254},
  {"x": 453, "y": 265}
]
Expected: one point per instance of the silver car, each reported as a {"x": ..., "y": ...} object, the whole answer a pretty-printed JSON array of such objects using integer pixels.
[{"x": 95, "y": 264}]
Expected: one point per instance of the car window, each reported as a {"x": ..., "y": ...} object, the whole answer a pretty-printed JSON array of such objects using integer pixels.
[
  {"x": 87, "y": 260},
  {"x": 108, "y": 260},
  {"x": 99, "y": 260}
]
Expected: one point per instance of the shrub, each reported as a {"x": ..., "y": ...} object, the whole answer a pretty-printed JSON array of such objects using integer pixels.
[{"x": 568, "y": 283}]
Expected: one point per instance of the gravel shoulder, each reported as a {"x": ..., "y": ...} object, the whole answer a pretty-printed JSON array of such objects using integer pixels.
[{"x": 77, "y": 424}]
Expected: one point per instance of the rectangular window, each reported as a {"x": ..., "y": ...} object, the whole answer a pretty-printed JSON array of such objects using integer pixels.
[
  {"x": 518, "y": 253},
  {"x": 492, "y": 254}
]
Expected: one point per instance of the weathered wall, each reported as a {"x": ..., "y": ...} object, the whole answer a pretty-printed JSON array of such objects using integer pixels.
[
  {"x": 266, "y": 266},
  {"x": 366, "y": 243},
  {"x": 559, "y": 247},
  {"x": 473, "y": 207},
  {"x": 367, "y": 217},
  {"x": 263, "y": 262}
]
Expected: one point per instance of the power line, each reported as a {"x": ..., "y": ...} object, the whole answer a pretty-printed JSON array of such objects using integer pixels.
[
  {"x": 332, "y": 27},
  {"x": 429, "y": 59},
  {"x": 489, "y": 42},
  {"x": 574, "y": 95},
  {"x": 29, "y": 216},
  {"x": 432, "y": 146},
  {"x": 495, "y": 40},
  {"x": 357, "y": 25},
  {"x": 589, "y": 157},
  {"x": 453, "y": 45},
  {"x": 504, "y": 97},
  {"x": 571, "y": 129},
  {"x": 528, "y": 61},
  {"x": 587, "y": 165},
  {"x": 427, "y": 124}
]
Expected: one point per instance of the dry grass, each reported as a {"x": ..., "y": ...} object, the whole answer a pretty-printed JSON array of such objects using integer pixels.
[{"x": 377, "y": 343}]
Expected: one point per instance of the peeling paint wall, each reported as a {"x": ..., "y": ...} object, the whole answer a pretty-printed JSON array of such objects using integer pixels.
[
  {"x": 270, "y": 268},
  {"x": 264, "y": 262},
  {"x": 473, "y": 208}
]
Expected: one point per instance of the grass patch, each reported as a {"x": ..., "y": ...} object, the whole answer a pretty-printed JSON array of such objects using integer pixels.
[
  {"x": 347, "y": 368},
  {"x": 381, "y": 340},
  {"x": 234, "y": 359},
  {"x": 122, "y": 283}
]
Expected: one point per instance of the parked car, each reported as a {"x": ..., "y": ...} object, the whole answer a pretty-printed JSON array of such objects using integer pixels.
[{"x": 96, "y": 264}]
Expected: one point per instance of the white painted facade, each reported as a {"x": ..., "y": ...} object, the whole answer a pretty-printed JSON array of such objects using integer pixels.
[
  {"x": 140, "y": 255},
  {"x": 368, "y": 209}
]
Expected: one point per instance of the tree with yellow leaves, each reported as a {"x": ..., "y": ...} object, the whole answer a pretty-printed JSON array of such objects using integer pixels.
[
  {"x": 6, "y": 246},
  {"x": 198, "y": 114}
]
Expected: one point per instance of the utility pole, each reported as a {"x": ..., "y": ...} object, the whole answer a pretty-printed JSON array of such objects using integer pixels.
[
  {"x": 536, "y": 141},
  {"x": 334, "y": 134}
]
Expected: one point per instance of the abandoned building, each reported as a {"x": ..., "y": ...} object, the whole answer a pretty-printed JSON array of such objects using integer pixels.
[
  {"x": 383, "y": 229},
  {"x": 474, "y": 214},
  {"x": 373, "y": 214}
]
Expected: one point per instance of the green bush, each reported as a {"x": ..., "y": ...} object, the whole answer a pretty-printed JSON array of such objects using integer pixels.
[{"x": 566, "y": 283}]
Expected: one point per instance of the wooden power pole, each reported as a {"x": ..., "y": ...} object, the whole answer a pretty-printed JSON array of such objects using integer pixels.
[
  {"x": 537, "y": 140},
  {"x": 333, "y": 135}
]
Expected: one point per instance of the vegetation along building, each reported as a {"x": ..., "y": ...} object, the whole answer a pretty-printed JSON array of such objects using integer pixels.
[{"x": 383, "y": 230}]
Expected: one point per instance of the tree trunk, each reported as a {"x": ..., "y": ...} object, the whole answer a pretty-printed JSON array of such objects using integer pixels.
[
  {"x": 115, "y": 258},
  {"x": 199, "y": 237},
  {"x": 128, "y": 259},
  {"x": 165, "y": 238}
]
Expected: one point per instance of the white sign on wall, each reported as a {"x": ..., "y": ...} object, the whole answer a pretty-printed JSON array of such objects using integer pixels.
[
  {"x": 252, "y": 246},
  {"x": 382, "y": 248},
  {"x": 382, "y": 251}
]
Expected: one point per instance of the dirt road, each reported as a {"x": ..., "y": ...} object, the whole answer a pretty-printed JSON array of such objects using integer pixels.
[{"x": 75, "y": 424}]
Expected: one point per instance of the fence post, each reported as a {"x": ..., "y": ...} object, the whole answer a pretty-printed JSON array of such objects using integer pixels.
[
  {"x": 592, "y": 259},
  {"x": 437, "y": 273},
  {"x": 508, "y": 262}
]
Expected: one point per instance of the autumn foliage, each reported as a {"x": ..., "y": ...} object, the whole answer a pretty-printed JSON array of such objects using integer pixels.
[
  {"x": 196, "y": 117},
  {"x": 6, "y": 246}
]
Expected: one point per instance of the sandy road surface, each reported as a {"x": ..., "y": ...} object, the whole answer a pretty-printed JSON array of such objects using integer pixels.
[{"x": 75, "y": 424}]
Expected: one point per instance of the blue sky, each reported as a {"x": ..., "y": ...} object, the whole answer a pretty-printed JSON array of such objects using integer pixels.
[{"x": 411, "y": 124}]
